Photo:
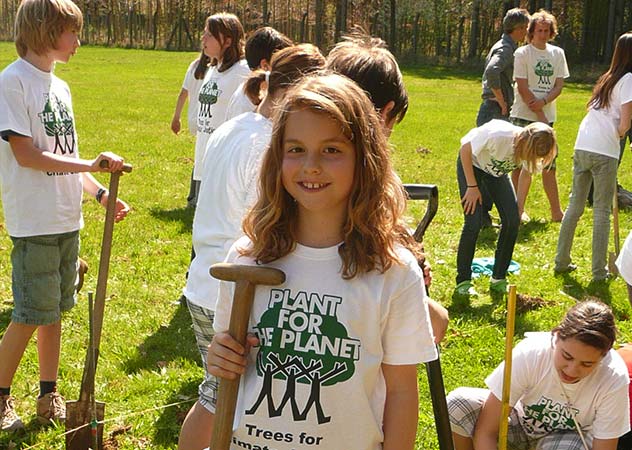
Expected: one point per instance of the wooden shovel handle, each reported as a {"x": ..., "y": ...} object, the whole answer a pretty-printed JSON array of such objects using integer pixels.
[
  {"x": 238, "y": 329},
  {"x": 126, "y": 167},
  {"x": 104, "y": 260}
]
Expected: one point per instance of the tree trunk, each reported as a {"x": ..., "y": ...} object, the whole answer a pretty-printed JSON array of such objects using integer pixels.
[
  {"x": 318, "y": 25},
  {"x": 264, "y": 11},
  {"x": 610, "y": 31},
  {"x": 476, "y": 6},
  {"x": 416, "y": 34},
  {"x": 393, "y": 27},
  {"x": 341, "y": 19},
  {"x": 459, "y": 40}
]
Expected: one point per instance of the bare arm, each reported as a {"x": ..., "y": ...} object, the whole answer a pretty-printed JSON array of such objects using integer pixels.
[
  {"x": 439, "y": 319},
  {"x": 175, "y": 121},
  {"x": 401, "y": 409},
  {"x": 486, "y": 430},
  {"x": 605, "y": 444},
  {"x": 500, "y": 98},
  {"x": 29, "y": 156},
  {"x": 472, "y": 195},
  {"x": 626, "y": 117},
  {"x": 524, "y": 183},
  {"x": 91, "y": 186},
  {"x": 530, "y": 100}
]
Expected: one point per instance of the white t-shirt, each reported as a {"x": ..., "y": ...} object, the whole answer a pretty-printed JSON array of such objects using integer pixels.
[
  {"x": 492, "y": 146},
  {"x": 38, "y": 105},
  {"x": 540, "y": 68},
  {"x": 316, "y": 379},
  {"x": 192, "y": 86},
  {"x": 598, "y": 132},
  {"x": 214, "y": 96},
  {"x": 229, "y": 187},
  {"x": 598, "y": 402},
  {"x": 239, "y": 103},
  {"x": 624, "y": 261}
]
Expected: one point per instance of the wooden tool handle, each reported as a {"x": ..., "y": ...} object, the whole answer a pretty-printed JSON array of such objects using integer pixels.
[
  {"x": 255, "y": 274},
  {"x": 228, "y": 389},
  {"x": 246, "y": 278},
  {"x": 126, "y": 167},
  {"x": 504, "y": 415},
  {"x": 104, "y": 261}
]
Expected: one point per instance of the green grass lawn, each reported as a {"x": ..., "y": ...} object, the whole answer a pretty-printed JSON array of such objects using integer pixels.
[{"x": 123, "y": 102}]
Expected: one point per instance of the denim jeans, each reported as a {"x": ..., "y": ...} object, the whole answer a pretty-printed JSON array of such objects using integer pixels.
[
  {"x": 489, "y": 109},
  {"x": 501, "y": 193},
  {"x": 602, "y": 170}
]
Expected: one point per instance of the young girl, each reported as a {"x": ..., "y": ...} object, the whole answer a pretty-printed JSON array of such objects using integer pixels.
[
  {"x": 569, "y": 390},
  {"x": 229, "y": 188},
  {"x": 191, "y": 89},
  {"x": 341, "y": 338},
  {"x": 596, "y": 156},
  {"x": 487, "y": 154},
  {"x": 223, "y": 43}
]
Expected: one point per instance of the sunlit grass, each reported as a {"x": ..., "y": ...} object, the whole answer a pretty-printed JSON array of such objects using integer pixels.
[{"x": 123, "y": 102}]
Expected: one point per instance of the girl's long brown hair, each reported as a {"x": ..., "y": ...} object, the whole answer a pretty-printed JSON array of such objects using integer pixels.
[
  {"x": 373, "y": 227},
  {"x": 287, "y": 66},
  {"x": 222, "y": 26},
  {"x": 620, "y": 65}
]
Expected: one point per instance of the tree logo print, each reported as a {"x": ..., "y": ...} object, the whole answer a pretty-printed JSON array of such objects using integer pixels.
[
  {"x": 544, "y": 71},
  {"x": 302, "y": 343},
  {"x": 58, "y": 124},
  {"x": 500, "y": 167},
  {"x": 208, "y": 97}
]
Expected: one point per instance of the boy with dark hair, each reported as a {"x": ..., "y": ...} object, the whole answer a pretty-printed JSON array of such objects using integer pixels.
[
  {"x": 41, "y": 178},
  {"x": 367, "y": 61},
  {"x": 260, "y": 47}
]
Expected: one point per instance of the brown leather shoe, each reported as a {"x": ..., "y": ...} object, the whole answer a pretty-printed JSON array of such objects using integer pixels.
[
  {"x": 9, "y": 420},
  {"x": 51, "y": 407}
]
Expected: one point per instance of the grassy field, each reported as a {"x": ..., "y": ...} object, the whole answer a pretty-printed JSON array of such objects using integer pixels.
[{"x": 123, "y": 101}]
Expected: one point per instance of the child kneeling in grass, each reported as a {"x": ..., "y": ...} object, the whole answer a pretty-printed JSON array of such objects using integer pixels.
[
  {"x": 41, "y": 178},
  {"x": 488, "y": 153},
  {"x": 569, "y": 390}
]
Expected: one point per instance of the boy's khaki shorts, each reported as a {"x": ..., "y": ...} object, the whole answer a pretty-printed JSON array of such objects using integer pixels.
[{"x": 44, "y": 277}]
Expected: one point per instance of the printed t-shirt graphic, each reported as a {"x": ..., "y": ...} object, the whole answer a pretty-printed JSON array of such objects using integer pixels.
[{"x": 302, "y": 342}]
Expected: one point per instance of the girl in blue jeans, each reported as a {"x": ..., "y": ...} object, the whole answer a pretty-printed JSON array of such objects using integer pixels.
[
  {"x": 596, "y": 159},
  {"x": 488, "y": 153}
]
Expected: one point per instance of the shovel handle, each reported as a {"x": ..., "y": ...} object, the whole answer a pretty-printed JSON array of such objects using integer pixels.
[
  {"x": 126, "y": 167},
  {"x": 238, "y": 328},
  {"x": 104, "y": 260}
]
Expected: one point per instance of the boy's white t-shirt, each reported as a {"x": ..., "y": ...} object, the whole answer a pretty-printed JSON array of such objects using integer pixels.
[
  {"x": 213, "y": 98},
  {"x": 38, "y": 105},
  {"x": 541, "y": 68},
  {"x": 192, "y": 86},
  {"x": 492, "y": 146},
  {"x": 316, "y": 379},
  {"x": 598, "y": 132},
  {"x": 239, "y": 103},
  {"x": 598, "y": 402},
  {"x": 229, "y": 187}
]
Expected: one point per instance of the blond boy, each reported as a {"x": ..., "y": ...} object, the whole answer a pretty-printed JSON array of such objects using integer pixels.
[{"x": 42, "y": 178}]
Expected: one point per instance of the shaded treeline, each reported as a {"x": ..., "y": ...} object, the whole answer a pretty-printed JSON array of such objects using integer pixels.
[{"x": 440, "y": 30}]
